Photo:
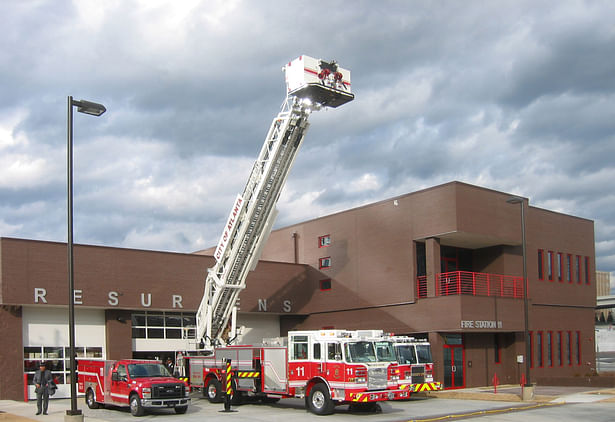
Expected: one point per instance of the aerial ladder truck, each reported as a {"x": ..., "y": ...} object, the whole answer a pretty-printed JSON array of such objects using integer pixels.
[
  {"x": 311, "y": 84},
  {"x": 325, "y": 367}
]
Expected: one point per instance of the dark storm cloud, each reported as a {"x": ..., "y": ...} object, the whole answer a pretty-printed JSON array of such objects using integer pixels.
[{"x": 499, "y": 94}]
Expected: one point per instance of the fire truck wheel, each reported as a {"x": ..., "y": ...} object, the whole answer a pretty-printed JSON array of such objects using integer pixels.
[
  {"x": 135, "y": 406},
  {"x": 91, "y": 400},
  {"x": 180, "y": 410},
  {"x": 319, "y": 402},
  {"x": 213, "y": 391}
]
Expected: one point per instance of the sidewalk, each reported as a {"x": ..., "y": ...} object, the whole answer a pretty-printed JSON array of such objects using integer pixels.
[
  {"x": 542, "y": 394},
  {"x": 19, "y": 411}
]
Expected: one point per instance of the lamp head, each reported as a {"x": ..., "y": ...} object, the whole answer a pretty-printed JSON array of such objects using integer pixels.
[{"x": 88, "y": 107}]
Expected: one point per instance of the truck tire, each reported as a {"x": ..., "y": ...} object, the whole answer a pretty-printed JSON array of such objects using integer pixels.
[
  {"x": 90, "y": 399},
  {"x": 213, "y": 391},
  {"x": 136, "y": 409},
  {"x": 180, "y": 410},
  {"x": 319, "y": 401}
]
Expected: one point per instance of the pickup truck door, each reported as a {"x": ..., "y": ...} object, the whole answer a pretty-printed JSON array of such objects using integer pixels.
[{"x": 120, "y": 388}]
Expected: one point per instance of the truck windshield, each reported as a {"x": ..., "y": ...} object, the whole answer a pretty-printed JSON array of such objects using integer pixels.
[
  {"x": 360, "y": 351},
  {"x": 405, "y": 354},
  {"x": 424, "y": 353},
  {"x": 385, "y": 351},
  {"x": 144, "y": 370}
]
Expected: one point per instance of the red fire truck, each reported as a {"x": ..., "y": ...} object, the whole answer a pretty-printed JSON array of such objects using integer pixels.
[
  {"x": 415, "y": 364},
  {"x": 326, "y": 367},
  {"x": 140, "y": 384}
]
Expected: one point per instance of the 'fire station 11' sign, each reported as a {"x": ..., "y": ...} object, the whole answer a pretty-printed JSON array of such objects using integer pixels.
[{"x": 481, "y": 324}]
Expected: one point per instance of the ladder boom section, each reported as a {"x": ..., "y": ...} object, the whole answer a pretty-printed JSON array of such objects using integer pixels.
[
  {"x": 311, "y": 84},
  {"x": 251, "y": 219}
]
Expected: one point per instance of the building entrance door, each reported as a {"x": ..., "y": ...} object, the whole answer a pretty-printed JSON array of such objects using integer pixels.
[{"x": 454, "y": 364}]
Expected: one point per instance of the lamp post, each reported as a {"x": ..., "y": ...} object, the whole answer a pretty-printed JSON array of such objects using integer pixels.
[
  {"x": 526, "y": 329},
  {"x": 93, "y": 109}
]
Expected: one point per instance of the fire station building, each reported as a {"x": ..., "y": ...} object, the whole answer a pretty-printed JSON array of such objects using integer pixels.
[{"x": 444, "y": 263}]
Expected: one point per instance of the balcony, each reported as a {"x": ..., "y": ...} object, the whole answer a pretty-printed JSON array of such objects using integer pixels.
[{"x": 457, "y": 283}]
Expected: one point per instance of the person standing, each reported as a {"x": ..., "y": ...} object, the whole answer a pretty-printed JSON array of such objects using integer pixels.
[
  {"x": 170, "y": 365},
  {"x": 42, "y": 380}
]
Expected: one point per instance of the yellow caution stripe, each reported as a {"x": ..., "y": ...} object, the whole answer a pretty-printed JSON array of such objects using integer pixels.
[
  {"x": 427, "y": 386},
  {"x": 229, "y": 377},
  {"x": 248, "y": 374},
  {"x": 358, "y": 397}
]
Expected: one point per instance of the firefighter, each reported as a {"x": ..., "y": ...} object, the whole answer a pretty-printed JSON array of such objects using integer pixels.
[{"x": 43, "y": 381}]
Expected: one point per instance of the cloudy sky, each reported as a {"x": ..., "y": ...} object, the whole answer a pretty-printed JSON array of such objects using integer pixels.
[{"x": 516, "y": 96}]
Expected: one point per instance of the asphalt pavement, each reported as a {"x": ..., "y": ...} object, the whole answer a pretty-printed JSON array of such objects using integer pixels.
[{"x": 458, "y": 404}]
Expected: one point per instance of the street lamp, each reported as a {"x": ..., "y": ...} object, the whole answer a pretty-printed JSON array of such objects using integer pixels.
[
  {"x": 94, "y": 109},
  {"x": 526, "y": 329}
]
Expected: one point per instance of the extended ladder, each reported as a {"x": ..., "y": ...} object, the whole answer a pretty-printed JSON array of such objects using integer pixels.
[{"x": 254, "y": 213}]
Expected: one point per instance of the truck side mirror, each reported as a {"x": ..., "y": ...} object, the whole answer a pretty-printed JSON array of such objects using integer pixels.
[{"x": 115, "y": 376}]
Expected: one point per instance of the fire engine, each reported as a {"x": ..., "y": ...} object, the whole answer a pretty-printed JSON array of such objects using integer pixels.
[
  {"x": 326, "y": 368},
  {"x": 415, "y": 364},
  {"x": 139, "y": 384}
]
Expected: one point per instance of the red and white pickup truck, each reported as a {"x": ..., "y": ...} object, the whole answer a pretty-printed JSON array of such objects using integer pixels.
[{"x": 140, "y": 384}]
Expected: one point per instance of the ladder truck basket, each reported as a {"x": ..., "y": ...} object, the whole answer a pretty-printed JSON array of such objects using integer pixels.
[{"x": 322, "y": 82}]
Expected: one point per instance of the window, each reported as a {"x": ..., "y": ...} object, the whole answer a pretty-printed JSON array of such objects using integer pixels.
[
  {"x": 578, "y": 348},
  {"x": 587, "y": 277},
  {"x": 316, "y": 350},
  {"x": 531, "y": 340},
  {"x": 541, "y": 274},
  {"x": 324, "y": 241},
  {"x": 325, "y": 284},
  {"x": 569, "y": 268},
  {"x": 550, "y": 265},
  {"x": 300, "y": 347},
  {"x": 57, "y": 359},
  {"x": 578, "y": 269},
  {"x": 334, "y": 351},
  {"x": 560, "y": 357},
  {"x": 324, "y": 262},
  {"x": 164, "y": 325},
  {"x": 550, "y": 349},
  {"x": 539, "y": 349},
  {"x": 560, "y": 269},
  {"x": 496, "y": 348},
  {"x": 569, "y": 348}
]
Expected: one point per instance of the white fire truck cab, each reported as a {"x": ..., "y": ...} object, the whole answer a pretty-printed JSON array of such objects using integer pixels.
[{"x": 326, "y": 367}]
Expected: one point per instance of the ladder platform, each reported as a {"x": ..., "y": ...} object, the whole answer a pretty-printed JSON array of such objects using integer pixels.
[{"x": 323, "y": 95}]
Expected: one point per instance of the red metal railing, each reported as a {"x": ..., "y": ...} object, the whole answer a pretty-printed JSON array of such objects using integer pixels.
[
  {"x": 421, "y": 286},
  {"x": 478, "y": 284}
]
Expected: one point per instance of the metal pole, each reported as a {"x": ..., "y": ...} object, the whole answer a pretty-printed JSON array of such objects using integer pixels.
[
  {"x": 71, "y": 295},
  {"x": 526, "y": 329}
]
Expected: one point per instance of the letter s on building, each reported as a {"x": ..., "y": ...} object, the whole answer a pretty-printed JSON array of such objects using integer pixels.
[{"x": 113, "y": 300}]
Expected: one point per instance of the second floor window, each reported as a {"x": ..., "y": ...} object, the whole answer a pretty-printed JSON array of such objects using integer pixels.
[
  {"x": 324, "y": 262},
  {"x": 324, "y": 241}
]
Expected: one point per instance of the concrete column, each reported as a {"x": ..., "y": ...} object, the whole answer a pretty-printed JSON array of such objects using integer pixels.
[{"x": 432, "y": 255}]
